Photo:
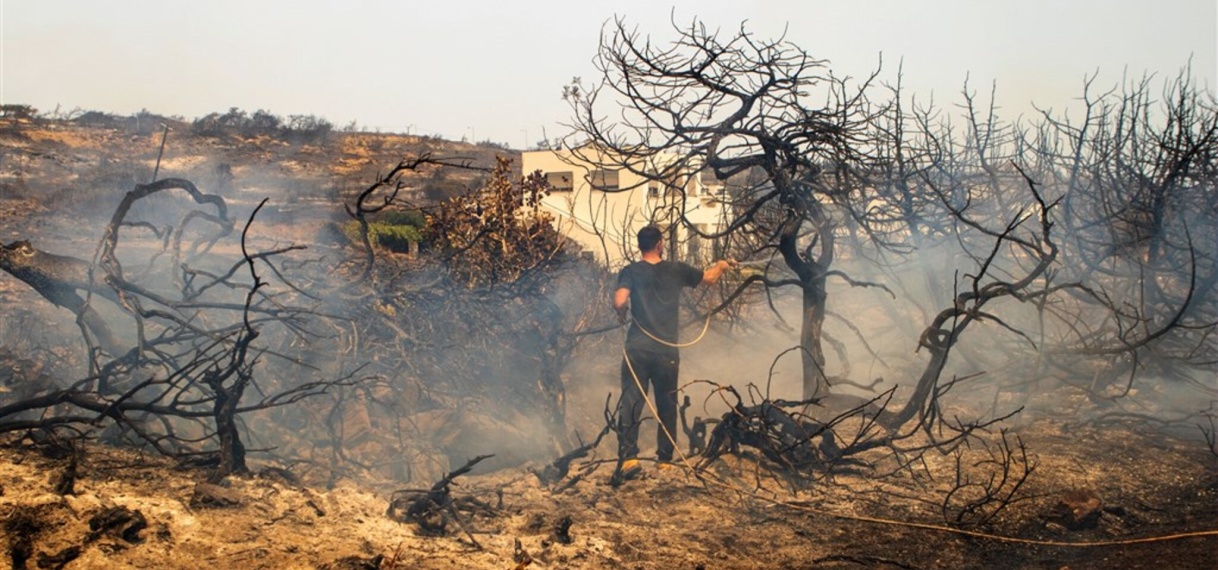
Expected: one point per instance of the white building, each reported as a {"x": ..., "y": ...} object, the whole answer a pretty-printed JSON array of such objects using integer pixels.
[{"x": 602, "y": 208}]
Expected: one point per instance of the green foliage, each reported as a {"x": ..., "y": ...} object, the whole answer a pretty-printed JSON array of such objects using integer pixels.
[
  {"x": 414, "y": 218},
  {"x": 301, "y": 128},
  {"x": 18, "y": 112},
  {"x": 394, "y": 238},
  {"x": 394, "y": 231}
]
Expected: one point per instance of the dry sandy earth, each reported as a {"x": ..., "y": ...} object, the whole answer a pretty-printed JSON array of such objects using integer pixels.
[{"x": 1150, "y": 488}]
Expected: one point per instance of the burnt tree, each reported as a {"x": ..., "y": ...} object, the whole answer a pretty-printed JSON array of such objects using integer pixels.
[
  {"x": 1139, "y": 172},
  {"x": 739, "y": 105},
  {"x": 181, "y": 387}
]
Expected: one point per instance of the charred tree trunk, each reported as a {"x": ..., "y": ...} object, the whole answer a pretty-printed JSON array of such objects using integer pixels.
[
  {"x": 812, "y": 275},
  {"x": 58, "y": 278},
  {"x": 555, "y": 350},
  {"x": 553, "y": 393},
  {"x": 239, "y": 369},
  {"x": 939, "y": 350},
  {"x": 810, "y": 339},
  {"x": 232, "y": 451}
]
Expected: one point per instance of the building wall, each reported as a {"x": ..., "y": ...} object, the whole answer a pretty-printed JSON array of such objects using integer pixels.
[{"x": 603, "y": 210}]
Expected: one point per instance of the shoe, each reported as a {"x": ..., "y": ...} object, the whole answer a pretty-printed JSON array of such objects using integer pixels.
[
  {"x": 631, "y": 469},
  {"x": 663, "y": 465}
]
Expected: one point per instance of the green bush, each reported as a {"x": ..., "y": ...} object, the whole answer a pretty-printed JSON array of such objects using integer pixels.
[
  {"x": 404, "y": 218},
  {"x": 394, "y": 231}
]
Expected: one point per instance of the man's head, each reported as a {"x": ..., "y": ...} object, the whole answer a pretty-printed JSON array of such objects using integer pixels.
[{"x": 649, "y": 239}]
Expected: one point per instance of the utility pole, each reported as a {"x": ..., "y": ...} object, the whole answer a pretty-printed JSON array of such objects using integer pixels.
[{"x": 164, "y": 135}]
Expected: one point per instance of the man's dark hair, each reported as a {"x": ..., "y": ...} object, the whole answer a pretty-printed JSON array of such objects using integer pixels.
[{"x": 649, "y": 237}]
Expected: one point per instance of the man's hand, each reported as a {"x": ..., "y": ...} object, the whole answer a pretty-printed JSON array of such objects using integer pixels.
[{"x": 712, "y": 274}]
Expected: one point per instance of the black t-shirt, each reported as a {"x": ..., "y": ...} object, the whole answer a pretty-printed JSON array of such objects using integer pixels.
[{"x": 655, "y": 292}]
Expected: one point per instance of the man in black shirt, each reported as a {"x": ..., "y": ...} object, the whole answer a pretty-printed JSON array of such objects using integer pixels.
[{"x": 651, "y": 290}]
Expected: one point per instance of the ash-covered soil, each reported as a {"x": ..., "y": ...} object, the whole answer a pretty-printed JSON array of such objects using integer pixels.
[{"x": 736, "y": 516}]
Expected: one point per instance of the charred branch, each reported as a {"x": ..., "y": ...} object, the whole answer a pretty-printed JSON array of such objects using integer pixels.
[
  {"x": 435, "y": 508},
  {"x": 558, "y": 469}
]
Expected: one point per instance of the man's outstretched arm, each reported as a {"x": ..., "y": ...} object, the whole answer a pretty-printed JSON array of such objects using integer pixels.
[{"x": 711, "y": 274}]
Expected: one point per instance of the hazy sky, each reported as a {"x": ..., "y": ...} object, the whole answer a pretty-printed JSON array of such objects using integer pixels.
[{"x": 494, "y": 69}]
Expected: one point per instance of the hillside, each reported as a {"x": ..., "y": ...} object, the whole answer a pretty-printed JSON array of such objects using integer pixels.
[{"x": 86, "y": 165}]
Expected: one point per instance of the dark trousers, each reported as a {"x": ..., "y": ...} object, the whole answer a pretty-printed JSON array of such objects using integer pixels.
[{"x": 659, "y": 372}]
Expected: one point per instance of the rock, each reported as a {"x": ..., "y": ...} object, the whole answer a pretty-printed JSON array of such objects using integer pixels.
[
  {"x": 59, "y": 559},
  {"x": 118, "y": 521},
  {"x": 354, "y": 563},
  {"x": 208, "y": 496},
  {"x": 562, "y": 530},
  {"x": 1078, "y": 509}
]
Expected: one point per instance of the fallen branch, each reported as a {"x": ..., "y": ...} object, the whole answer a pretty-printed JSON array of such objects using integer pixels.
[
  {"x": 559, "y": 468},
  {"x": 434, "y": 508}
]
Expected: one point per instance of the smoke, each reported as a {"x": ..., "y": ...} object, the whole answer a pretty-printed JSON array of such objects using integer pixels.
[{"x": 454, "y": 373}]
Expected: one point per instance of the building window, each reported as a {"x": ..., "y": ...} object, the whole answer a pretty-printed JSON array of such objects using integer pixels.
[
  {"x": 653, "y": 190},
  {"x": 606, "y": 180},
  {"x": 560, "y": 181}
]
